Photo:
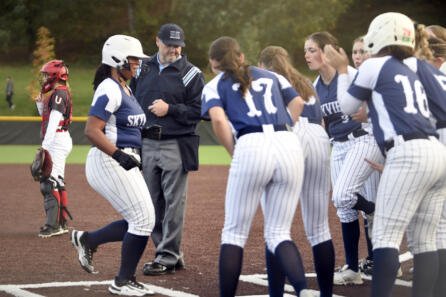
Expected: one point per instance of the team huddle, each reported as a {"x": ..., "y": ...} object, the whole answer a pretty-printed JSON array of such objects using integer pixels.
[{"x": 372, "y": 137}]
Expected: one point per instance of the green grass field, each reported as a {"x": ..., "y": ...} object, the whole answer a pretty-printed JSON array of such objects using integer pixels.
[
  {"x": 80, "y": 80},
  {"x": 24, "y": 154}
]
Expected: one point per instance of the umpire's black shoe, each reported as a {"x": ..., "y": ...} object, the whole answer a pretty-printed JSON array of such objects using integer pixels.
[{"x": 154, "y": 268}]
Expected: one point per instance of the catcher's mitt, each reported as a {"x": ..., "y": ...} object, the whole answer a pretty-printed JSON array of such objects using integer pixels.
[{"x": 42, "y": 165}]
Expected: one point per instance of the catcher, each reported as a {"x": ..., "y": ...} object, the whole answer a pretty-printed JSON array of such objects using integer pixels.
[{"x": 49, "y": 165}]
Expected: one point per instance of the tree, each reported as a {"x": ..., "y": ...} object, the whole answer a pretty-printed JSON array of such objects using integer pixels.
[{"x": 43, "y": 53}]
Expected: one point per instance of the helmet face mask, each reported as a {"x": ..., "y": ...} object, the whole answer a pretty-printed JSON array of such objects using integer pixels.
[
  {"x": 389, "y": 28},
  {"x": 118, "y": 48},
  {"x": 51, "y": 72}
]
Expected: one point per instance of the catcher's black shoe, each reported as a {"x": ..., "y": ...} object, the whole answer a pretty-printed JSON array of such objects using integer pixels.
[
  {"x": 154, "y": 268},
  {"x": 78, "y": 239},
  {"x": 49, "y": 231}
]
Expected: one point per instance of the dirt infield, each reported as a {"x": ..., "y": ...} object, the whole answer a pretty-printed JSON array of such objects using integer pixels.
[{"x": 49, "y": 267}]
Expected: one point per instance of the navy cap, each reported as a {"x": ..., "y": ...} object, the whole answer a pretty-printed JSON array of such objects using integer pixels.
[{"x": 171, "y": 34}]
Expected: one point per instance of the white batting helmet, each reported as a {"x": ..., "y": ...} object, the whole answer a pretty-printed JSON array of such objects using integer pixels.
[
  {"x": 118, "y": 48},
  {"x": 390, "y": 28}
]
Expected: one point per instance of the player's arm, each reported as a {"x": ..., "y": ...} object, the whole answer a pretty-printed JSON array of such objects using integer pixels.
[
  {"x": 361, "y": 115},
  {"x": 221, "y": 128},
  {"x": 295, "y": 106},
  {"x": 94, "y": 132}
]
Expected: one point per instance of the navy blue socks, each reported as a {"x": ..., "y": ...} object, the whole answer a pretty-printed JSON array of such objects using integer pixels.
[
  {"x": 132, "y": 248},
  {"x": 112, "y": 232},
  {"x": 425, "y": 271},
  {"x": 324, "y": 262},
  {"x": 350, "y": 236},
  {"x": 369, "y": 242},
  {"x": 440, "y": 284},
  {"x": 385, "y": 267},
  {"x": 229, "y": 268},
  {"x": 288, "y": 257},
  {"x": 276, "y": 277}
]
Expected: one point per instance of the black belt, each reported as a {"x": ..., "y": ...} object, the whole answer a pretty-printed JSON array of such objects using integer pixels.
[
  {"x": 154, "y": 132},
  {"x": 416, "y": 135},
  {"x": 256, "y": 129},
  {"x": 441, "y": 124},
  {"x": 357, "y": 133}
]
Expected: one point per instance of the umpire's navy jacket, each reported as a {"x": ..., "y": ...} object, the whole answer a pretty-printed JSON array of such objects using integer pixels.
[{"x": 179, "y": 85}]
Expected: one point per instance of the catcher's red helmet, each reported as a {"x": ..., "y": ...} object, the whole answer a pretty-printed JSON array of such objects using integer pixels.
[{"x": 52, "y": 71}]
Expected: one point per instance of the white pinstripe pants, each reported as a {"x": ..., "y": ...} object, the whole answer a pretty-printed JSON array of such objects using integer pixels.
[
  {"x": 316, "y": 183},
  {"x": 350, "y": 174},
  {"x": 126, "y": 190},
  {"x": 441, "y": 233},
  {"x": 270, "y": 163},
  {"x": 410, "y": 195}
]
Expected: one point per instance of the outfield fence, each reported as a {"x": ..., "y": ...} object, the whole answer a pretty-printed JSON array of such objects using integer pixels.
[{"x": 20, "y": 130}]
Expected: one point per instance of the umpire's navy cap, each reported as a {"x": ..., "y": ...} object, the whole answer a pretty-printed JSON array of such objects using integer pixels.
[{"x": 171, "y": 34}]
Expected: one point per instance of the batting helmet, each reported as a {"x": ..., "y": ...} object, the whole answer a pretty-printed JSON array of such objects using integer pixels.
[
  {"x": 118, "y": 48},
  {"x": 390, "y": 28},
  {"x": 53, "y": 71}
]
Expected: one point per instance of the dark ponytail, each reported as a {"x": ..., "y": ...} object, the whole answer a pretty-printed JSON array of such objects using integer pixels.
[
  {"x": 226, "y": 51},
  {"x": 103, "y": 72}
]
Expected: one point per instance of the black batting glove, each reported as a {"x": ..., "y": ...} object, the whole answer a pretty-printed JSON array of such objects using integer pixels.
[{"x": 125, "y": 160}]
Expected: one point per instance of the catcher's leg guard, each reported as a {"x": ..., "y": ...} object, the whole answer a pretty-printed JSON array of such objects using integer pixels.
[{"x": 51, "y": 201}]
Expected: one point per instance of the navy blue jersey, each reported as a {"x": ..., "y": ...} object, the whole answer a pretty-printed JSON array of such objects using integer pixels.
[
  {"x": 264, "y": 103},
  {"x": 338, "y": 125},
  {"x": 434, "y": 82},
  {"x": 312, "y": 111},
  {"x": 123, "y": 115},
  {"x": 395, "y": 96}
]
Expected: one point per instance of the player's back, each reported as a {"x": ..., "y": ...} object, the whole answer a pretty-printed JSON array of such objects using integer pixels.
[
  {"x": 398, "y": 105},
  {"x": 264, "y": 102}
]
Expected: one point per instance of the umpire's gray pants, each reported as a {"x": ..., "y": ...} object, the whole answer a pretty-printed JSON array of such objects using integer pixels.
[{"x": 167, "y": 183}]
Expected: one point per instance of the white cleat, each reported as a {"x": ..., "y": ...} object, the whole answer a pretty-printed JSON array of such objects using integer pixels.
[
  {"x": 129, "y": 288},
  {"x": 347, "y": 276},
  {"x": 78, "y": 239}
]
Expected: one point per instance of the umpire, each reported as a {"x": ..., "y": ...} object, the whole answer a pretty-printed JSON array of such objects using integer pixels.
[{"x": 169, "y": 90}]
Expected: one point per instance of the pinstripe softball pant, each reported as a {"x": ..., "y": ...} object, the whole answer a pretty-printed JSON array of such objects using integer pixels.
[
  {"x": 126, "y": 190},
  {"x": 269, "y": 163}
]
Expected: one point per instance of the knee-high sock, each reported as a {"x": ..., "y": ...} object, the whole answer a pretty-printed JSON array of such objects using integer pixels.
[
  {"x": 112, "y": 232},
  {"x": 440, "y": 284},
  {"x": 350, "y": 236},
  {"x": 132, "y": 248},
  {"x": 288, "y": 257},
  {"x": 57, "y": 195},
  {"x": 425, "y": 272},
  {"x": 368, "y": 241},
  {"x": 324, "y": 261},
  {"x": 385, "y": 267},
  {"x": 229, "y": 269},
  {"x": 276, "y": 277},
  {"x": 63, "y": 206}
]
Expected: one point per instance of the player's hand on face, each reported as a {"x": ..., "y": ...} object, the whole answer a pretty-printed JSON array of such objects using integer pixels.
[
  {"x": 159, "y": 108},
  {"x": 338, "y": 60}
]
